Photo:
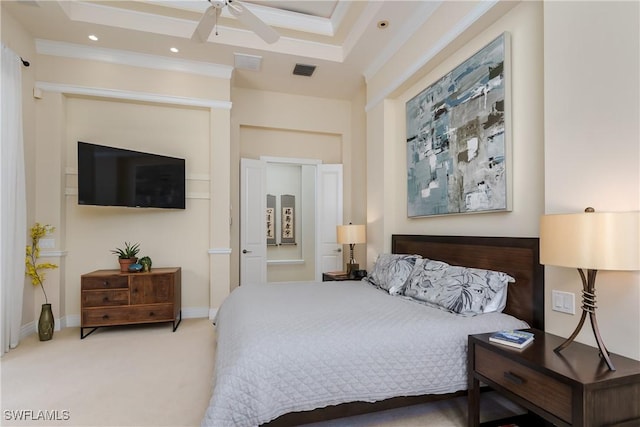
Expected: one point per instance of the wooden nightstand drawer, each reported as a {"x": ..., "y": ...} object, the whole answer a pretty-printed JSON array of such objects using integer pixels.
[
  {"x": 105, "y": 298},
  {"x": 574, "y": 388},
  {"x": 537, "y": 388},
  {"x": 104, "y": 282}
]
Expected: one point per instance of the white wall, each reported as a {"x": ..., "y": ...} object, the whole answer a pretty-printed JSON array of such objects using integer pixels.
[{"x": 592, "y": 148}]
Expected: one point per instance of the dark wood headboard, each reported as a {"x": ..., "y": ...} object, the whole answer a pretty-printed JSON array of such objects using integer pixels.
[{"x": 516, "y": 256}]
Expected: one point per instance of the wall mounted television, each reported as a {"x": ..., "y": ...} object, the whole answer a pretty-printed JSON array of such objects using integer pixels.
[{"x": 109, "y": 176}]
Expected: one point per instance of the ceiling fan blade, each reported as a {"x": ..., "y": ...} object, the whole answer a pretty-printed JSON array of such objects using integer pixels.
[
  {"x": 206, "y": 24},
  {"x": 251, "y": 21}
]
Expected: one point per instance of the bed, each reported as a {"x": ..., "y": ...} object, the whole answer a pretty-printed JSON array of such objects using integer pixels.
[{"x": 294, "y": 353}]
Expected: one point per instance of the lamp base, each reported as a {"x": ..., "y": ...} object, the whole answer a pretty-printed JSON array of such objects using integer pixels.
[
  {"x": 352, "y": 268},
  {"x": 589, "y": 307}
]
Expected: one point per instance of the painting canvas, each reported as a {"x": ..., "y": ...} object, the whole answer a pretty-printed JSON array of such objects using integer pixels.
[{"x": 457, "y": 145}]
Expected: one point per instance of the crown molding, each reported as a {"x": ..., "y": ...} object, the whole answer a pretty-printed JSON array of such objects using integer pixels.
[
  {"x": 275, "y": 17},
  {"x": 462, "y": 25},
  {"x": 361, "y": 25},
  {"x": 102, "y": 14},
  {"x": 409, "y": 28},
  {"x": 135, "y": 59},
  {"x": 132, "y": 96}
]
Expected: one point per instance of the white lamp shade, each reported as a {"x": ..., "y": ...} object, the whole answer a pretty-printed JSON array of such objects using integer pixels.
[
  {"x": 351, "y": 234},
  {"x": 591, "y": 240}
]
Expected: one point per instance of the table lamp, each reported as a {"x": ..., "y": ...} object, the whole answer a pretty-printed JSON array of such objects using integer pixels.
[
  {"x": 351, "y": 235},
  {"x": 591, "y": 241}
]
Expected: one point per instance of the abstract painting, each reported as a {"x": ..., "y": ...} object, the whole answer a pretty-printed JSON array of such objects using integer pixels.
[{"x": 457, "y": 141}]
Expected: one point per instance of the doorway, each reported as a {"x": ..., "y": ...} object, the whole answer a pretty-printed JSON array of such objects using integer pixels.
[{"x": 289, "y": 212}]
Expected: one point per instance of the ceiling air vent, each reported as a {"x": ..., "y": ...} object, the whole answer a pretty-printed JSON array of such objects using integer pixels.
[
  {"x": 304, "y": 70},
  {"x": 247, "y": 62}
]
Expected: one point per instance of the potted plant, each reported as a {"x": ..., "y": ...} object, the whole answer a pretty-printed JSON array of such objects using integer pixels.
[
  {"x": 127, "y": 255},
  {"x": 35, "y": 271},
  {"x": 145, "y": 261}
]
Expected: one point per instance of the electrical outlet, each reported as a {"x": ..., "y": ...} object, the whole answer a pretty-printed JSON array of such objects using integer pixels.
[{"x": 564, "y": 302}]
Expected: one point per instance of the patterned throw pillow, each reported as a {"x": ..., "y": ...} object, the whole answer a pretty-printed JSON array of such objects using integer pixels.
[
  {"x": 462, "y": 290},
  {"x": 391, "y": 271}
]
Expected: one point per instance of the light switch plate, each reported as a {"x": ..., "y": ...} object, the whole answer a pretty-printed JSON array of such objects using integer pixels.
[{"x": 564, "y": 302}]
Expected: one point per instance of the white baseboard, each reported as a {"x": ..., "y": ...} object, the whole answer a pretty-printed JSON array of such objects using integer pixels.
[
  {"x": 195, "y": 312},
  {"x": 28, "y": 329},
  {"x": 70, "y": 321}
]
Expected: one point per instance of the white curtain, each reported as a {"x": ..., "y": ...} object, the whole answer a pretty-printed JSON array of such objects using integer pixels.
[{"x": 13, "y": 210}]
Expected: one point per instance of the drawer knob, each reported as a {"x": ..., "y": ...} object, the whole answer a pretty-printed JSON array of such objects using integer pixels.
[
  {"x": 151, "y": 314},
  {"x": 105, "y": 317},
  {"x": 513, "y": 378},
  {"x": 106, "y": 283},
  {"x": 105, "y": 299}
]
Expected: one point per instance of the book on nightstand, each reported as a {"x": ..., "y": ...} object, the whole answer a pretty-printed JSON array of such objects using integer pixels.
[
  {"x": 512, "y": 338},
  {"x": 340, "y": 275}
]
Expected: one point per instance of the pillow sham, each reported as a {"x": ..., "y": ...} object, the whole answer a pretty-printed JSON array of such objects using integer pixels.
[
  {"x": 391, "y": 271},
  {"x": 463, "y": 290}
]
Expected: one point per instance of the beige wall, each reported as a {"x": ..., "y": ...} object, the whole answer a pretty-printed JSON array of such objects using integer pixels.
[
  {"x": 170, "y": 237},
  {"x": 281, "y": 125},
  {"x": 157, "y": 119},
  {"x": 386, "y": 148},
  {"x": 575, "y": 140},
  {"x": 585, "y": 109},
  {"x": 592, "y": 149}
]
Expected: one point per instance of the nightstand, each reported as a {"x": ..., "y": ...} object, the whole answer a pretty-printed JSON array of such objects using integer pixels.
[
  {"x": 335, "y": 276},
  {"x": 573, "y": 388}
]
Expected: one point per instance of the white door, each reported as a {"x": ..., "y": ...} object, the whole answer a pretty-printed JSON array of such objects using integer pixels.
[
  {"x": 329, "y": 216},
  {"x": 253, "y": 226}
]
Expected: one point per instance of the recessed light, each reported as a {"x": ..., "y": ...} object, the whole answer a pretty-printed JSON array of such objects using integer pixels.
[
  {"x": 174, "y": 50},
  {"x": 93, "y": 37},
  {"x": 383, "y": 24}
]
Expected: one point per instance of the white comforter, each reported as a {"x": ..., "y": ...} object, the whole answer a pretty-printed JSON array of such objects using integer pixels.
[{"x": 299, "y": 346}]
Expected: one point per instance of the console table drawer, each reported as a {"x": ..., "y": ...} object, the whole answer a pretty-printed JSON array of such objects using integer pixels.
[
  {"x": 104, "y": 282},
  {"x": 537, "y": 388},
  {"x": 109, "y": 316},
  {"x": 105, "y": 298}
]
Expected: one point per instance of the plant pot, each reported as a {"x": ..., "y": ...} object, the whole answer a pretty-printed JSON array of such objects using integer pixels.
[
  {"x": 125, "y": 263},
  {"x": 46, "y": 323}
]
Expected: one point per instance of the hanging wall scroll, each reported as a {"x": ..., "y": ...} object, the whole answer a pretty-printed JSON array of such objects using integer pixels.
[
  {"x": 287, "y": 204},
  {"x": 271, "y": 219}
]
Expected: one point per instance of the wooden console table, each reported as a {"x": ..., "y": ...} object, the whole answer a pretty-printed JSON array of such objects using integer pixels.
[{"x": 111, "y": 298}]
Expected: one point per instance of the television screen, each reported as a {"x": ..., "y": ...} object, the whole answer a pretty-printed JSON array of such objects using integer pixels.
[{"x": 109, "y": 176}]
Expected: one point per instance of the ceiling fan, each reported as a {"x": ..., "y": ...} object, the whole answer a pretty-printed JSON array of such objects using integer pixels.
[{"x": 209, "y": 21}]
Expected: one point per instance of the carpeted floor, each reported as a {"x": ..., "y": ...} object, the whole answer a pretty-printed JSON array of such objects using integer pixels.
[{"x": 148, "y": 376}]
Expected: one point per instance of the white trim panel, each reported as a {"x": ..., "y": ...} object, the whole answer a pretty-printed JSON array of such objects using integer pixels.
[
  {"x": 219, "y": 251},
  {"x": 135, "y": 59},
  {"x": 132, "y": 96}
]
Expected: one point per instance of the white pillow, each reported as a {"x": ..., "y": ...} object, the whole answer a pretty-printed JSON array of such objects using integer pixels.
[
  {"x": 391, "y": 271},
  {"x": 462, "y": 290}
]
